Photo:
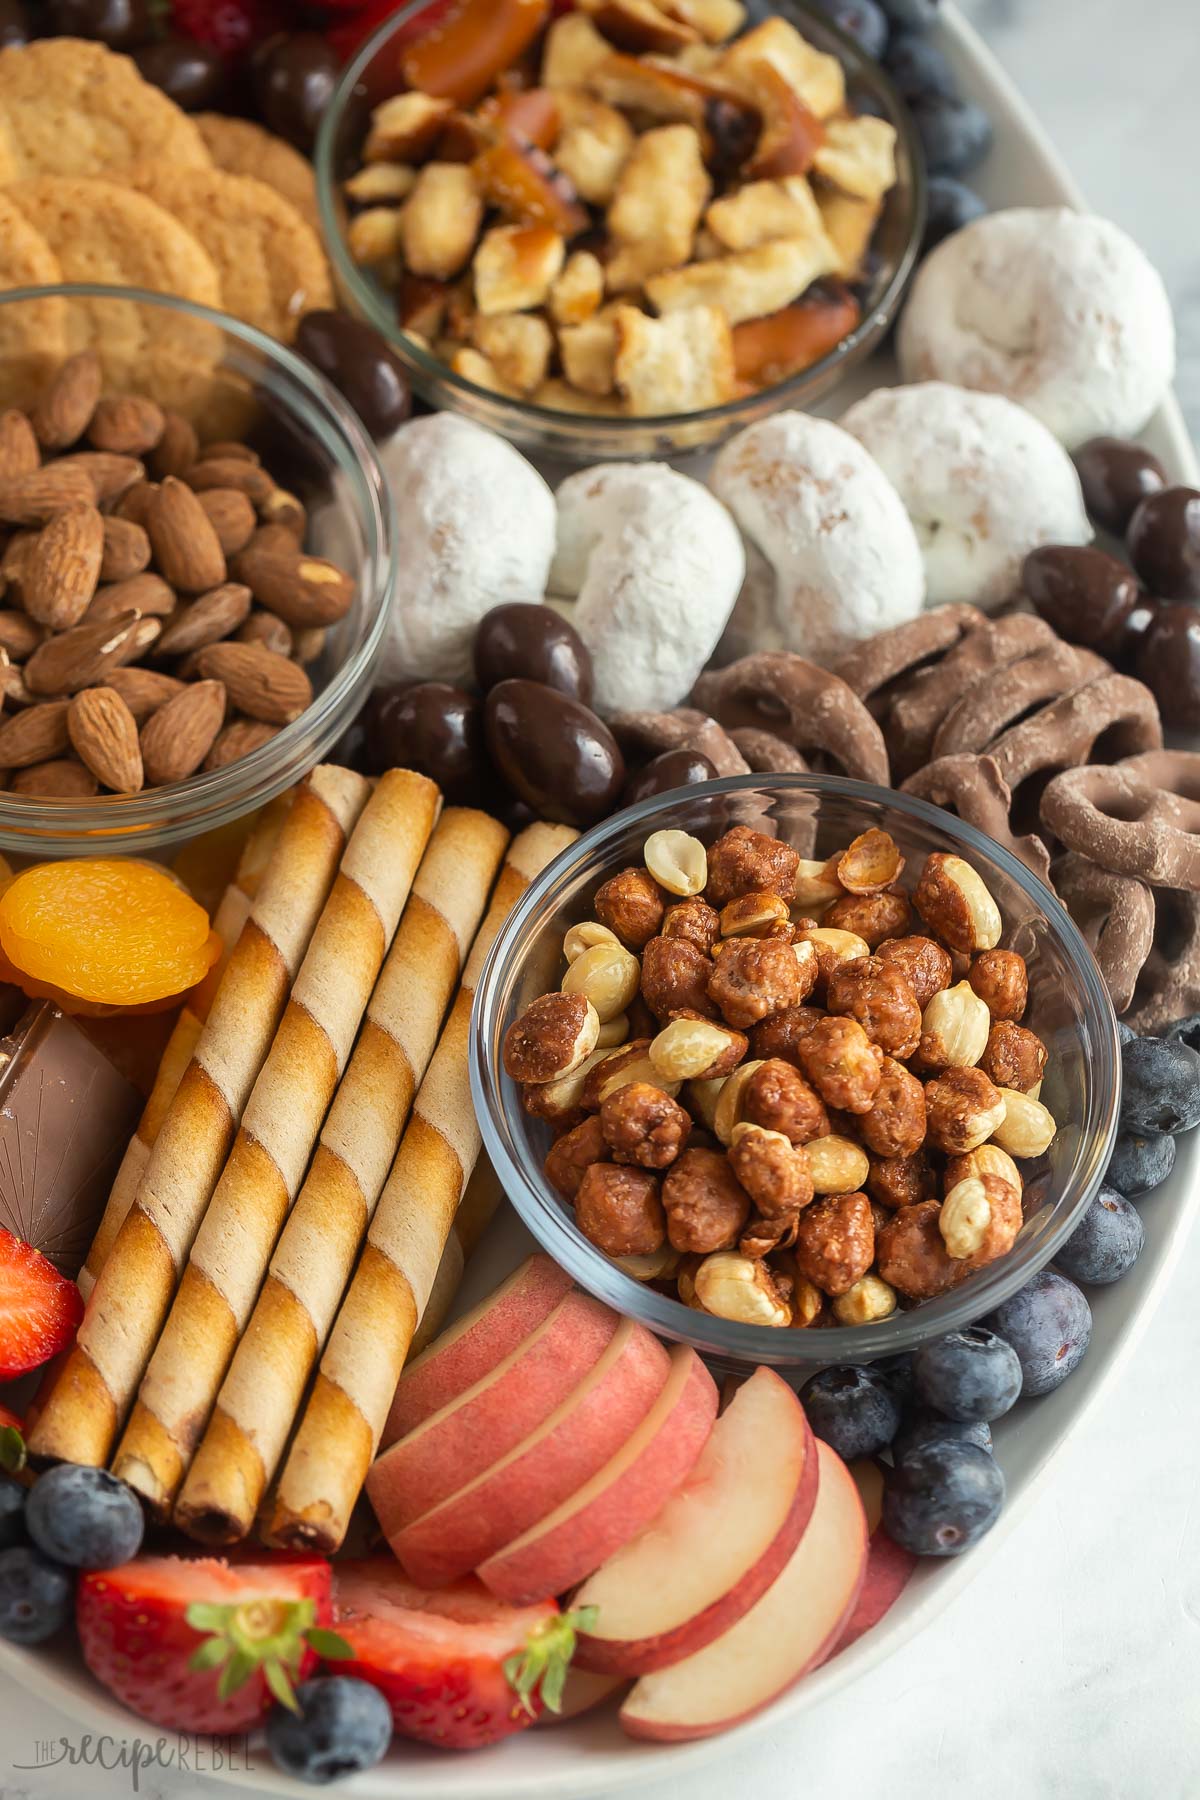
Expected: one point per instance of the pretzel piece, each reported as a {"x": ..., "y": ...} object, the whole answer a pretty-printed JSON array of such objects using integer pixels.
[
  {"x": 1115, "y": 913},
  {"x": 1137, "y": 817},
  {"x": 810, "y": 708}
]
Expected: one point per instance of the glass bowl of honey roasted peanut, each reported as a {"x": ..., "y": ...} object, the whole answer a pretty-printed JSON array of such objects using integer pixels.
[
  {"x": 628, "y": 228},
  {"x": 796, "y": 1070}
]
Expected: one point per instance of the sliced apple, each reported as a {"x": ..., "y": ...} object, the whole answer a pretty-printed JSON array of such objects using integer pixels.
[
  {"x": 888, "y": 1566},
  {"x": 517, "y": 1490},
  {"x": 621, "y": 1498},
  {"x": 484, "y": 1422},
  {"x": 475, "y": 1343},
  {"x": 718, "y": 1543},
  {"x": 789, "y": 1631}
]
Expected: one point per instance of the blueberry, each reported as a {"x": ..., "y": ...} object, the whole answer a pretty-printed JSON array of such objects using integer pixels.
[
  {"x": 956, "y": 133},
  {"x": 853, "y": 1410},
  {"x": 950, "y": 206},
  {"x": 967, "y": 1375},
  {"x": 1160, "y": 1085},
  {"x": 940, "y": 1499},
  {"x": 1049, "y": 1325},
  {"x": 1126, "y": 1034},
  {"x": 911, "y": 15},
  {"x": 1184, "y": 1031},
  {"x": 35, "y": 1595},
  {"x": 924, "y": 1427},
  {"x": 897, "y": 1371},
  {"x": 918, "y": 67},
  {"x": 84, "y": 1517},
  {"x": 1106, "y": 1242},
  {"x": 862, "y": 20},
  {"x": 343, "y": 1725},
  {"x": 12, "y": 1512},
  {"x": 1140, "y": 1161}
]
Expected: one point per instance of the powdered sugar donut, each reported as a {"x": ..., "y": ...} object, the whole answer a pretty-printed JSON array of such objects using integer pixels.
[
  {"x": 984, "y": 483},
  {"x": 1056, "y": 309},
  {"x": 475, "y": 528},
  {"x": 653, "y": 564},
  {"x": 833, "y": 557}
]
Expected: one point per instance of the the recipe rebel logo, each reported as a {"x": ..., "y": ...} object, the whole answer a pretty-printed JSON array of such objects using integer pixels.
[{"x": 179, "y": 1753}]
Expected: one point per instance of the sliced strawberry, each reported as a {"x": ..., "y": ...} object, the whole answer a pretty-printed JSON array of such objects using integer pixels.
[
  {"x": 40, "y": 1309},
  {"x": 200, "y": 1644},
  {"x": 458, "y": 1667}
]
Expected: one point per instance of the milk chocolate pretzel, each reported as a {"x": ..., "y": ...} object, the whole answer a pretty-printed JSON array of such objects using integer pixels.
[
  {"x": 990, "y": 706},
  {"x": 811, "y": 709},
  {"x": 1137, "y": 817},
  {"x": 643, "y": 734},
  {"x": 1064, "y": 734},
  {"x": 1168, "y": 987},
  {"x": 923, "y": 701},
  {"x": 1115, "y": 913},
  {"x": 766, "y": 753},
  {"x": 880, "y": 660},
  {"x": 974, "y": 789}
]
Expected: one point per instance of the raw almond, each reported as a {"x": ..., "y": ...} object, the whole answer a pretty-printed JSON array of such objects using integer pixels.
[
  {"x": 77, "y": 658},
  {"x": 265, "y": 629},
  {"x": 110, "y": 475},
  {"x": 20, "y": 637},
  {"x": 206, "y": 621},
  {"x": 127, "y": 424},
  {"x": 35, "y": 498},
  {"x": 222, "y": 448},
  {"x": 104, "y": 734},
  {"x": 62, "y": 414},
  {"x": 35, "y": 735},
  {"x": 143, "y": 690},
  {"x": 177, "y": 448},
  {"x": 261, "y": 684},
  {"x": 273, "y": 537},
  {"x": 309, "y": 644},
  {"x": 13, "y": 692},
  {"x": 19, "y": 453},
  {"x": 63, "y": 567},
  {"x": 177, "y": 738},
  {"x": 63, "y": 779},
  {"x": 238, "y": 740},
  {"x": 303, "y": 590},
  {"x": 231, "y": 472},
  {"x": 145, "y": 593},
  {"x": 187, "y": 550},
  {"x": 231, "y": 516},
  {"x": 134, "y": 503},
  {"x": 126, "y": 550},
  {"x": 282, "y": 508}
]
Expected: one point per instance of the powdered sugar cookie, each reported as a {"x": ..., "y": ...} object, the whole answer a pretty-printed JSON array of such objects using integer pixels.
[
  {"x": 983, "y": 480},
  {"x": 241, "y": 147},
  {"x": 33, "y": 336},
  {"x": 1058, "y": 310},
  {"x": 72, "y": 107}
]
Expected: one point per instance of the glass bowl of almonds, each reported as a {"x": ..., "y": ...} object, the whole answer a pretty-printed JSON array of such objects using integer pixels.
[
  {"x": 197, "y": 550},
  {"x": 796, "y": 1070}
]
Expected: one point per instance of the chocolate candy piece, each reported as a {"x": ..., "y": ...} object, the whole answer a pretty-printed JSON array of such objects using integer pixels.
[
  {"x": 532, "y": 643},
  {"x": 1115, "y": 474},
  {"x": 1085, "y": 594},
  {"x": 357, "y": 360},
  {"x": 1127, "y": 640},
  {"x": 431, "y": 727},
  {"x": 66, "y": 1115},
  {"x": 192, "y": 75},
  {"x": 1116, "y": 916},
  {"x": 673, "y": 769},
  {"x": 1164, "y": 543},
  {"x": 118, "y": 23},
  {"x": 1168, "y": 661},
  {"x": 554, "y": 754},
  {"x": 295, "y": 74},
  {"x": 14, "y": 24}
]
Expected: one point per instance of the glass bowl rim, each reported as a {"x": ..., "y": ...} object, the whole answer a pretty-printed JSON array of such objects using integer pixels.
[
  {"x": 111, "y": 814},
  {"x": 813, "y": 1346},
  {"x": 782, "y": 394}
]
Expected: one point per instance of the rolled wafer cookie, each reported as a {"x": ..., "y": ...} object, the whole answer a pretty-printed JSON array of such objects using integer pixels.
[
  {"x": 228, "y": 920},
  {"x": 340, "y": 1427},
  {"x": 314, "y": 1257},
  {"x": 476, "y": 1211},
  {"x": 275, "y": 1140},
  {"x": 131, "y": 1298}
]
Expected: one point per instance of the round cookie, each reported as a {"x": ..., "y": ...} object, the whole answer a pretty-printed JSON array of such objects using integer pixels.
[
  {"x": 1058, "y": 310},
  {"x": 270, "y": 261},
  {"x": 983, "y": 481},
  {"x": 241, "y": 147},
  {"x": 33, "y": 336},
  {"x": 72, "y": 107},
  {"x": 100, "y": 232}
]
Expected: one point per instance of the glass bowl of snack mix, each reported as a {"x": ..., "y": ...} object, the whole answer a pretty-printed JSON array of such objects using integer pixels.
[
  {"x": 796, "y": 1070},
  {"x": 628, "y": 228},
  {"x": 196, "y": 555}
]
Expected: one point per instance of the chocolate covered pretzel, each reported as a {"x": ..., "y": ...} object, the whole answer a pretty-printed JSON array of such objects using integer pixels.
[
  {"x": 973, "y": 788},
  {"x": 646, "y": 734},
  {"x": 1064, "y": 734},
  {"x": 990, "y": 706},
  {"x": 1115, "y": 913},
  {"x": 1168, "y": 987},
  {"x": 1137, "y": 817},
  {"x": 810, "y": 708},
  {"x": 873, "y": 665},
  {"x": 922, "y": 702}
]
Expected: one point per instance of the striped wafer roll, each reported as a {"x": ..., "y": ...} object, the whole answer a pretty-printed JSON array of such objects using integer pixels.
[
  {"x": 340, "y": 1427},
  {"x": 481, "y": 1197},
  {"x": 279, "y": 1127},
  {"x": 228, "y": 920},
  {"x": 315, "y": 1254},
  {"x": 127, "y": 1306}
]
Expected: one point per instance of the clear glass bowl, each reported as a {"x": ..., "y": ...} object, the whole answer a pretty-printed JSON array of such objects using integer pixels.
[
  {"x": 372, "y": 75},
  {"x": 1068, "y": 1007},
  {"x": 234, "y": 381}
]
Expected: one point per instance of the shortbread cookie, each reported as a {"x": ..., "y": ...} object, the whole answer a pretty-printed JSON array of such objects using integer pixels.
[
  {"x": 33, "y": 336},
  {"x": 270, "y": 261},
  {"x": 76, "y": 108},
  {"x": 100, "y": 232},
  {"x": 241, "y": 147}
]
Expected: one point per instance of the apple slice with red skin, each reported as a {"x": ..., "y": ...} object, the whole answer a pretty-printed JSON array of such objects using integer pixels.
[
  {"x": 718, "y": 1543},
  {"x": 790, "y": 1630},
  {"x": 459, "y": 1441},
  {"x": 620, "y": 1499},
  {"x": 474, "y": 1344},
  {"x": 582, "y": 1691},
  {"x": 888, "y": 1566}
]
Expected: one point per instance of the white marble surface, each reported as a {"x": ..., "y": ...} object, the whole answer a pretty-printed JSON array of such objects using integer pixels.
[{"x": 1071, "y": 1667}]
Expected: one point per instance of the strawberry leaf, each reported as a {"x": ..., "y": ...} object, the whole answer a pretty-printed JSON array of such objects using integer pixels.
[
  {"x": 203, "y": 1617},
  {"x": 252, "y": 1635},
  {"x": 12, "y": 1449},
  {"x": 235, "y": 1674},
  {"x": 328, "y": 1644},
  {"x": 212, "y": 1653},
  {"x": 279, "y": 1685},
  {"x": 542, "y": 1666}
]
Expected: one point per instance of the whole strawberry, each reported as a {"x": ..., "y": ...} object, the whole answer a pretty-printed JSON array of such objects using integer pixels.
[
  {"x": 231, "y": 27},
  {"x": 39, "y": 1308}
]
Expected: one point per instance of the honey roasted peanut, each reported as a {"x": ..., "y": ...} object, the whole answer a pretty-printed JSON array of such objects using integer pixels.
[
  {"x": 620, "y": 1210},
  {"x": 754, "y": 977},
  {"x": 835, "y": 1243},
  {"x": 632, "y": 906},
  {"x": 675, "y": 977},
  {"x": 773, "y": 1170},
  {"x": 1013, "y": 1056},
  {"x": 999, "y": 978},
  {"x": 706, "y": 1205},
  {"x": 876, "y": 994},
  {"x": 778, "y": 1098},
  {"x": 551, "y": 1037},
  {"x": 872, "y": 917},
  {"x": 927, "y": 966},
  {"x": 745, "y": 861},
  {"x": 643, "y": 1125}
]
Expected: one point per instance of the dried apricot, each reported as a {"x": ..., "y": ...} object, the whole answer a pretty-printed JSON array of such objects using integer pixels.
[{"x": 117, "y": 933}]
